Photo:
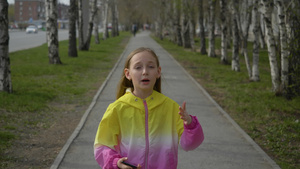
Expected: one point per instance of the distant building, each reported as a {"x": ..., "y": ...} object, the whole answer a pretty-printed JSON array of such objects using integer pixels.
[
  {"x": 33, "y": 11},
  {"x": 29, "y": 10}
]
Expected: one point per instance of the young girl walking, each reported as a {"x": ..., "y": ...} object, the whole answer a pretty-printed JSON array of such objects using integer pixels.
[{"x": 142, "y": 128}]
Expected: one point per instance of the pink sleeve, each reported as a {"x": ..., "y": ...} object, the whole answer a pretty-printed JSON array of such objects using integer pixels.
[
  {"x": 106, "y": 157},
  {"x": 192, "y": 135}
]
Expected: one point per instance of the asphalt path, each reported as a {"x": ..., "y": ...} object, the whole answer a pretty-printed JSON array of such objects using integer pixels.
[
  {"x": 225, "y": 146},
  {"x": 20, "y": 40}
]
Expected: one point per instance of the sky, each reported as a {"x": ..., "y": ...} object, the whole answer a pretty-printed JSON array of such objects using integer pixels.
[{"x": 62, "y": 1}]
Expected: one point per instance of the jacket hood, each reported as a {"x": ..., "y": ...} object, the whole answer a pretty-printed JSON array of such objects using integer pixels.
[{"x": 154, "y": 100}]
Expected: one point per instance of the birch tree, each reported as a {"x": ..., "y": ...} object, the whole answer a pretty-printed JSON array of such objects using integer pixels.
[
  {"x": 105, "y": 19},
  {"x": 177, "y": 25},
  {"x": 201, "y": 28},
  {"x": 294, "y": 50},
  {"x": 244, "y": 29},
  {"x": 52, "y": 32},
  {"x": 93, "y": 12},
  {"x": 5, "y": 74},
  {"x": 223, "y": 16},
  {"x": 114, "y": 14},
  {"x": 211, "y": 43},
  {"x": 72, "y": 29},
  {"x": 256, "y": 28},
  {"x": 185, "y": 26},
  {"x": 96, "y": 27},
  {"x": 267, "y": 7},
  {"x": 191, "y": 13},
  {"x": 80, "y": 25},
  {"x": 235, "y": 64},
  {"x": 283, "y": 43},
  {"x": 160, "y": 18}
]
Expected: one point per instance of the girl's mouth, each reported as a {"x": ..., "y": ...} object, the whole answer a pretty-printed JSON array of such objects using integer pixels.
[{"x": 145, "y": 81}]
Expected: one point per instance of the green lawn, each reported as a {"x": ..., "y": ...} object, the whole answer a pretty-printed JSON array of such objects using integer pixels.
[
  {"x": 272, "y": 122},
  {"x": 40, "y": 89}
]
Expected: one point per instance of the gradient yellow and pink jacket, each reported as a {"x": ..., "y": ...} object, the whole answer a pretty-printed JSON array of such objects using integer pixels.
[{"x": 147, "y": 131}]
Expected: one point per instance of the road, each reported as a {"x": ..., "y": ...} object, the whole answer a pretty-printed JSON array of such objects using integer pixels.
[{"x": 19, "y": 40}]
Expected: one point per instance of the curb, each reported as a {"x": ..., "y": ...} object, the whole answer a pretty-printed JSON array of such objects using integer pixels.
[
  {"x": 75, "y": 133},
  {"x": 226, "y": 115}
]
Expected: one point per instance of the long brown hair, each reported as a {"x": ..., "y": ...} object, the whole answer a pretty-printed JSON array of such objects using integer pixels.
[{"x": 125, "y": 83}]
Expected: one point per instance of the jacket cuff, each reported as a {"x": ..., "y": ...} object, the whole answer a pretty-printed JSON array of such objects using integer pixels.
[
  {"x": 193, "y": 124},
  {"x": 115, "y": 162}
]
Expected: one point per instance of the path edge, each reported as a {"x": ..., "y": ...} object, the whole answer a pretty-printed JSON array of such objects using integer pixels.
[
  {"x": 80, "y": 125},
  {"x": 227, "y": 116}
]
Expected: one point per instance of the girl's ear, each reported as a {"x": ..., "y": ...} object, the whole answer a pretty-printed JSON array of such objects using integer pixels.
[
  {"x": 127, "y": 74},
  {"x": 158, "y": 72}
]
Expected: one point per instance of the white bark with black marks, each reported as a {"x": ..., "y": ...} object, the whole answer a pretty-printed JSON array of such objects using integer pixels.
[
  {"x": 80, "y": 25},
  {"x": 105, "y": 19},
  {"x": 211, "y": 36},
  {"x": 52, "y": 32},
  {"x": 223, "y": 17},
  {"x": 235, "y": 63},
  {"x": 256, "y": 32},
  {"x": 284, "y": 47},
  {"x": 185, "y": 25},
  {"x": 93, "y": 12},
  {"x": 5, "y": 74},
  {"x": 72, "y": 51},
  {"x": 201, "y": 28},
  {"x": 267, "y": 6}
]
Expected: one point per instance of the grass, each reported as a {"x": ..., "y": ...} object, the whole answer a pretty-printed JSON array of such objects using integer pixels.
[
  {"x": 271, "y": 121},
  {"x": 41, "y": 90}
]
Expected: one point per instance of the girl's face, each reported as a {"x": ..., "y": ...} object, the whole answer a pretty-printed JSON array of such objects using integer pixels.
[{"x": 143, "y": 71}]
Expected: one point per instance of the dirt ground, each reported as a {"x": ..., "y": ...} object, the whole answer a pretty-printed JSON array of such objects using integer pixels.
[{"x": 39, "y": 144}]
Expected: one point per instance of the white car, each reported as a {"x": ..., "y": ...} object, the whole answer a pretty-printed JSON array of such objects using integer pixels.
[{"x": 31, "y": 29}]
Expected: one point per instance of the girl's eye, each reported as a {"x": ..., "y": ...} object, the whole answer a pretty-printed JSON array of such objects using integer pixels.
[
  {"x": 138, "y": 67},
  {"x": 151, "y": 66}
]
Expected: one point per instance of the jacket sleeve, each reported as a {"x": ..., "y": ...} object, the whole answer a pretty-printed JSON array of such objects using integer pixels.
[
  {"x": 192, "y": 135},
  {"x": 106, "y": 157},
  {"x": 106, "y": 140}
]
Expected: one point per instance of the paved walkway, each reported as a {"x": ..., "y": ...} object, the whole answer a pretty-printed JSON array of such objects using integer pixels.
[{"x": 226, "y": 145}]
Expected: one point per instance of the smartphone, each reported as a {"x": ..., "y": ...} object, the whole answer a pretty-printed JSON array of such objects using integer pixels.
[{"x": 130, "y": 165}]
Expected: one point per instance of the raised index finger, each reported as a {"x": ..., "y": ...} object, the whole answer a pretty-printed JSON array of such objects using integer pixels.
[{"x": 183, "y": 106}]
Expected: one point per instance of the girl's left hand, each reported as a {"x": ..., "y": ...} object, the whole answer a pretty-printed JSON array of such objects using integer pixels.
[{"x": 187, "y": 119}]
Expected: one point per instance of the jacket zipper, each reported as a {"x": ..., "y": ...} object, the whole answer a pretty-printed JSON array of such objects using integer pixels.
[{"x": 146, "y": 134}]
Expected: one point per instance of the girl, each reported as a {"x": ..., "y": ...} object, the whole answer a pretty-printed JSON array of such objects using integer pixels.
[{"x": 143, "y": 127}]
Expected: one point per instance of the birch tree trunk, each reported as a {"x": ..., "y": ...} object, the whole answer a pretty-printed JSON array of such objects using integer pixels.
[
  {"x": 191, "y": 13},
  {"x": 5, "y": 74},
  {"x": 284, "y": 47},
  {"x": 267, "y": 12},
  {"x": 245, "y": 24},
  {"x": 116, "y": 19},
  {"x": 161, "y": 19},
  {"x": 96, "y": 27},
  {"x": 201, "y": 27},
  {"x": 72, "y": 29},
  {"x": 93, "y": 12},
  {"x": 177, "y": 25},
  {"x": 262, "y": 31},
  {"x": 185, "y": 30},
  {"x": 235, "y": 64},
  {"x": 80, "y": 26},
  {"x": 223, "y": 15},
  {"x": 256, "y": 28},
  {"x": 105, "y": 18},
  {"x": 52, "y": 32},
  {"x": 211, "y": 43},
  {"x": 113, "y": 16}
]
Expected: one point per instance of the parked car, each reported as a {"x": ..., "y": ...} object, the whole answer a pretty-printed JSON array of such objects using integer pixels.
[{"x": 31, "y": 29}]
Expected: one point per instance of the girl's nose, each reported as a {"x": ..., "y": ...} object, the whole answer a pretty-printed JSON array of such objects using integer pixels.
[{"x": 145, "y": 71}]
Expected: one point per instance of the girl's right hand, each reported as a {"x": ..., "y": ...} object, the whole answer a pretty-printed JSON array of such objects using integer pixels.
[{"x": 123, "y": 166}]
